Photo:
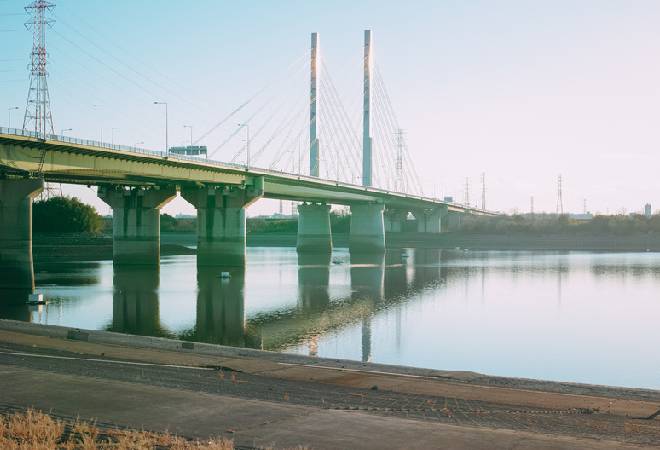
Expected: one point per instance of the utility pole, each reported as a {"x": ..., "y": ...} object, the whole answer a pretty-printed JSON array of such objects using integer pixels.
[
  {"x": 366, "y": 112},
  {"x": 9, "y": 110},
  {"x": 314, "y": 157},
  {"x": 38, "y": 117},
  {"x": 531, "y": 205},
  {"x": 167, "y": 145},
  {"x": 560, "y": 196},
  {"x": 112, "y": 136}
]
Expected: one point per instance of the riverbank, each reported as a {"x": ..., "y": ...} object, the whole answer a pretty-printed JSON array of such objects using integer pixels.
[
  {"x": 90, "y": 247},
  {"x": 260, "y": 398}
]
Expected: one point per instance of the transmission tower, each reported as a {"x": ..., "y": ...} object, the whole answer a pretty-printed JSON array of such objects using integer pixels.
[
  {"x": 467, "y": 192},
  {"x": 399, "y": 161},
  {"x": 560, "y": 198},
  {"x": 38, "y": 117},
  {"x": 483, "y": 190}
]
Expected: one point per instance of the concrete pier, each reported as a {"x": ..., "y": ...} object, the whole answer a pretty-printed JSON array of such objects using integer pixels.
[
  {"x": 136, "y": 222},
  {"x": 16, "y": 271},
  {"x": 432, "y": 220},
  {"x": 395, "y": 220},
  {"x": 221, "y": 222},
  {"x": 367, "y": 234},
  {"x": 455, "y": 221},
  {"x": 314, "y": 233}
]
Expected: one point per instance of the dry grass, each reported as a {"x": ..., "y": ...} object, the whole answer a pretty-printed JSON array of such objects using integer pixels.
[{"x": 33, "y": 430}]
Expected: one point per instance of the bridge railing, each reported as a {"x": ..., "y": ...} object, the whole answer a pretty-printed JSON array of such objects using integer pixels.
[{"x": 142, "y": 151}]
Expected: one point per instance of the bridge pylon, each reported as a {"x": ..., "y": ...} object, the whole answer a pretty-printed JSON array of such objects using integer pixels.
[
  {"x": 366, "y": 111},
  {"x": 314, "y": 157}
]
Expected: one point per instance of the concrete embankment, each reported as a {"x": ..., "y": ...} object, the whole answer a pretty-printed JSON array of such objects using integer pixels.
[{"x": 260, "y": 398}]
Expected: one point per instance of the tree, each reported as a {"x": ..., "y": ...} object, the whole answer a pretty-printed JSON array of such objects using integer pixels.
[{"x": 65, "y": 215}]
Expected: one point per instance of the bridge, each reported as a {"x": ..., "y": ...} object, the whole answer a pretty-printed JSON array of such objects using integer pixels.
[{"x": 136, "y": 183}]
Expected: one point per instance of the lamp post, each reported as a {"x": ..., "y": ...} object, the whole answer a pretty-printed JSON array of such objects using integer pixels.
[
  {"x": 167, "y": 147},
  {"x": 112, "y": 136},
  {"x": 247, "y": 144},
  {"x": 10, "y": 109},
  {"x": 96, "y": 108},
  {"x": 64, "y": 130},
  {"x": 189, "y": 126}
]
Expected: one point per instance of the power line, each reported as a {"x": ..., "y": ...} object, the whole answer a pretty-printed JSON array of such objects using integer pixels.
[
  {"x": 483, "y": 190},
  {"x": 560, "y": 196},
  {"x": 38, "y": 116}
]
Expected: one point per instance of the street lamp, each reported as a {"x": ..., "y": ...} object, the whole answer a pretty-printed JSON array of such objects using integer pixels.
[
  {"x": 96, "y": 108},
  {"x": 64, "y": 130},
  {"x": 10, "y": 109},
  {"x": 247, "y": 144},
  {"x": 189, "y": 126},
  {"x": 167, "y": 148},
  {"x": 112, "y": 136}
]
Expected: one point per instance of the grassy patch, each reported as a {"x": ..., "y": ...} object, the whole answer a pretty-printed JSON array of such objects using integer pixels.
[{"x": 37, "y": 431}]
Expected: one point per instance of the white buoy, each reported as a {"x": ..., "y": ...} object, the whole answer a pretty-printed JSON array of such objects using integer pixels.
[{"x": 36, "y": 299}]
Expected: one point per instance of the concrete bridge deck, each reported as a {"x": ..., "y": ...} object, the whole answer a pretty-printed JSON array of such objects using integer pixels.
[
  {"x": 76, "y": 161},
  {"x": 137, "y": 183}
]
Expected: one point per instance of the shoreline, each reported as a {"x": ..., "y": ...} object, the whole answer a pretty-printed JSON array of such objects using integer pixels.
[
  {"x": 570, "y": 415},
  {"x": 100, "y": 247}
]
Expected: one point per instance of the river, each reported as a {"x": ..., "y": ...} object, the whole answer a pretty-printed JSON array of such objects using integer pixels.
[{"x": 562, "y": 316}]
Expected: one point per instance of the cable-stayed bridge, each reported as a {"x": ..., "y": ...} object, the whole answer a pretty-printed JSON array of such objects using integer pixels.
[{"x": 306, "y": 151}]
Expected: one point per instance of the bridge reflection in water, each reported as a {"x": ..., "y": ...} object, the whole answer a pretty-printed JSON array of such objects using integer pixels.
[{"x": 326, "y": 300}]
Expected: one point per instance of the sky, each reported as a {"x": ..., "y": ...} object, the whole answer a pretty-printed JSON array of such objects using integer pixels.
[{"x": 519, "y": 90}]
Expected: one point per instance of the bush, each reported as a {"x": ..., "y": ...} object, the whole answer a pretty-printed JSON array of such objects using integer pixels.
[
  {"x": 561, "y": 224},
  {"x": 181, "y": 225},
  {"x": 65, "y": 215}
]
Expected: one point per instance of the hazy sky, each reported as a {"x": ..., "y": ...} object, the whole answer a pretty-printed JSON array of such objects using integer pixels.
[{"x": 521, "y": 90}]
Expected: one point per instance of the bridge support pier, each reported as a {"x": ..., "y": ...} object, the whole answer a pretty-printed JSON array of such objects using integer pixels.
[
  {"x": 314, "y": 233},
  {"x": 432, "y": 220},
  {"x": 221, "y": 221},
  {"x": 395, "y": 220},
  {"x": 367, "y": 234},
  {"x": 455, "y": 221},
  {"x": 136, "y": 222},
  {"x": 16, "y": 271},
  {"x": 438, "y": 220}
]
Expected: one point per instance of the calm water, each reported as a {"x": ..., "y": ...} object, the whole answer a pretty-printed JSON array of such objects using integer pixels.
[{"x": 586, "y": 317}]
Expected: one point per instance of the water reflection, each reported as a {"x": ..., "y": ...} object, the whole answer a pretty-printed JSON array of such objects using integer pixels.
[
  {"x": 532, "y": 314},
  {"x": 313, "y": 281},
  {"x": 135, "y": 302},
  {"x": 368, "y": 288},
  {"x": 221, "y": 307}
]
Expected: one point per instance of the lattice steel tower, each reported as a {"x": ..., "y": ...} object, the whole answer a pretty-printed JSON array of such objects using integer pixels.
[{"x": 38, "y": 117}]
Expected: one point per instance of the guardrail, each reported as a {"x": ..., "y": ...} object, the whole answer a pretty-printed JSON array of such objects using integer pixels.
[{"x": 171, "y": 156}]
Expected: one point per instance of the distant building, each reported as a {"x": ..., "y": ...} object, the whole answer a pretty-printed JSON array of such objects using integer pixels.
[
  {"x": 190, "y": 150},
  {"x": 647, "y": 211}
]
